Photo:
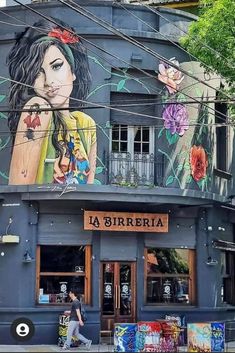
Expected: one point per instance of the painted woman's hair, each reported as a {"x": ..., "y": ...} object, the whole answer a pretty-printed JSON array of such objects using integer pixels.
[{"x": 25, "y": 60}]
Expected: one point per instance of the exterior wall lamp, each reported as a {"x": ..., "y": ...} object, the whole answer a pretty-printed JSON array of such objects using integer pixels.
[{"x": 9, "y": 238}]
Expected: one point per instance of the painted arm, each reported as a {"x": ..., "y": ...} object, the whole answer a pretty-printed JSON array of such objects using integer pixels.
[
  {"x": 31, "y": 130},
  {"x": 92, "y": 162}
]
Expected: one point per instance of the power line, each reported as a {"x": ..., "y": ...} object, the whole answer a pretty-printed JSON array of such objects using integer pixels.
[
  {"x": 164, "y": 36},
  {"x": 98, "y": 105},
  {"x": 155, "y": 89},
  {"x": 154, "y": 10},
  {"x": 107, "y": 26},
  {"x": 79, "y": 9}
]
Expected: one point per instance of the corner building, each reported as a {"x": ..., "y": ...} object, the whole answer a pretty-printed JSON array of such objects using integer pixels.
[{"x": 154, "y": 234}]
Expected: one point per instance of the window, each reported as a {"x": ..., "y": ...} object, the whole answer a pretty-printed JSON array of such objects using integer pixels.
[
  {"x": 132, "y": 139},
  {"x": 228, "y": 271},
  {"x": 221, "y": 136},
  {"x": 58, "y": 269},
  {"x": 170, "y": 277}
]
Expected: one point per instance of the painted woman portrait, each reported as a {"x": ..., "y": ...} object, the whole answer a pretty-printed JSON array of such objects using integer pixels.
[{"x": 49, "y": 69}]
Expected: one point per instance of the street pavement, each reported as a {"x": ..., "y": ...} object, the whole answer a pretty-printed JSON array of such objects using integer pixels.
[{"x": 230, "y": 347}]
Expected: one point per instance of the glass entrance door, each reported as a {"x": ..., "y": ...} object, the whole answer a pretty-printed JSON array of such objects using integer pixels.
[{"x": 118, "y": 296}]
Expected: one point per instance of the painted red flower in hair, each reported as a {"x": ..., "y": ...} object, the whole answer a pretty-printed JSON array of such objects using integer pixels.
[
  {"x": 63, "y": 35},
  {"x": 199, "y": 162}
]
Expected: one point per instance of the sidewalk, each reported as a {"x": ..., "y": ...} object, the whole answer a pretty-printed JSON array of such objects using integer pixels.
[
  {"x": 230, "y": 347},
  {"x": 54, "y": 348}
]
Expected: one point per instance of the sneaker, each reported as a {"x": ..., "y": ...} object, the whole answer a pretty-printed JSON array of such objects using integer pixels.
[
  {"x": 65, "y": 348},
  {"x": 88, "y": 345}
]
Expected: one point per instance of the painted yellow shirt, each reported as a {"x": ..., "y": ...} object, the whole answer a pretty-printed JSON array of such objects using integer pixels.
[{"x": 81, "y": 135}]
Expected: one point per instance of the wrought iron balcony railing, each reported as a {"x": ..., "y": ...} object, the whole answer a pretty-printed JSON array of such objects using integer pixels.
[{"x": 134, "y": 170}]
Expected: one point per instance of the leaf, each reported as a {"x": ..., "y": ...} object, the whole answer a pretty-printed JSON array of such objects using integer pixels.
[
  {"x": 120, "y": 85},
  {"x": 97, "y": 182},
  {"x": 179, "y": 167},
  {"x": 3, "y": 116},
  {"x": 198, "y": 92},
  {"x": 99, "y": 170},
  {"x": 189, "y": 179},
  {"x": 187, "y": 166},
  {"x": 160, "y": 132},
  {"x": 108, "y": 125},
  {"x": 181, "y": 98},
  {"x": 2, "y": 98},
  {"x": 169, "y": 180},
  {"x": 201, "y": 183},
  {"x": 171, "y": 138}
]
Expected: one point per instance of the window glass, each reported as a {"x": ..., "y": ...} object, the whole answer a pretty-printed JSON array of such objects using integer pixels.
[
  {"x": 62, "y": 258},
  {"x": 168, "y": 276},
  {"x": 60, "y": 269}
]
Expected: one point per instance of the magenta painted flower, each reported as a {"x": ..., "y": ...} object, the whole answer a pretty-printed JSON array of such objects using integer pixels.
[
  {"x": 176, "y": 118},
  {"x": 170, "y": 75}
]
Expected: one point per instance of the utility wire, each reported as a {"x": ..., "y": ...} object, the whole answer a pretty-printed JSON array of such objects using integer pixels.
[
  {"x": 106, "y": 25},
  {"x": 154, "y": 89},
  {"x": 161, "y": 34},
  {"x": 79, "y": 9},
  {"x": 154, "y": 10},
  {"x": 147, "y": 103},
  {"x": 49, "y": 19}
]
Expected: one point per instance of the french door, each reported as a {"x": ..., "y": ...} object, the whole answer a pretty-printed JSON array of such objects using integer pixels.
[
  {"x": 132, "y": 158},
  {"x": 118, "y": 293}
]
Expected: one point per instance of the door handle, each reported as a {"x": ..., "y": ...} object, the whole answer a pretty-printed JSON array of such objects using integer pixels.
[
  {"x": 116, "y": 296},
  {"x": 119, "y": 297}
]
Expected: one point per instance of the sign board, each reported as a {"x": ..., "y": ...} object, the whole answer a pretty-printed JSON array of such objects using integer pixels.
[{"x": 126, "y": 222}]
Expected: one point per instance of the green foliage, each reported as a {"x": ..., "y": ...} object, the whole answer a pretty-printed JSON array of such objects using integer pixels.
[
  {"x": 169, "y": 261},
  {"x": 215, "y": 28}
]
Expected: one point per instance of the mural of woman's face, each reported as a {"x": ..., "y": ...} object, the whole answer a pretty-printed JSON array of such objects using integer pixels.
[{"x": 55, "y": 79}]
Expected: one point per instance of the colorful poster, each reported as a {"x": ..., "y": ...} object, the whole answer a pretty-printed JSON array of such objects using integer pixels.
[
  {"x": 125, "y": 337},
  {"x": 148, "y": 336},
  {"x": 199, "y": 337},
  {"x": 217, "y": 336},
  {"x": 206, "y": 337}
]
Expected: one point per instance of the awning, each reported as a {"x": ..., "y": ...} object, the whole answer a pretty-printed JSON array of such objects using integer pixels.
[{"x": 223, "y": 245}]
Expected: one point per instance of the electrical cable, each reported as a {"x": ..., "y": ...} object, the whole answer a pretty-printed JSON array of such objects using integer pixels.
[
  {"x": 79, "y": 9},
  {"x": 41, "y": 15},
  {"x": 154, "y": 89},
  {"x": 164, "y": 36},
  {"x": 171, "y": 22}
]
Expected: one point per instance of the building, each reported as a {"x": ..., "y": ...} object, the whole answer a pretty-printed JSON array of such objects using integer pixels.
[{"x": 153, "y": 235}]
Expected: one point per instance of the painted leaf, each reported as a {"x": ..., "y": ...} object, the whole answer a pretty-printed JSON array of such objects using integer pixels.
[
  {"x": 3, "y": 116},
  {"x": 108, "y": 125},
  {"x": 187, "y": 166},
  {"x": 171, "y": 138},
  {"x": 120, "y": 85},
  {"x": 97, "y": 182},
  {"x": 189, "y": 179},
  {"x": 181, "y": 97},
  {"x": 198, "y": 92},
  {"x": 169, "y": 180},
  {"x": 99, "y": 170},
  {"x": 179, "y": 167},
  {"x": 160, "y": 132},
  {"x": 2, "y": 98},
  {"x": 201, "y": 183}
]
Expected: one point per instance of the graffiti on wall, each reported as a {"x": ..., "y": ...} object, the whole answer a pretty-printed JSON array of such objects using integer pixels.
[{"x": 55, "y": 142}]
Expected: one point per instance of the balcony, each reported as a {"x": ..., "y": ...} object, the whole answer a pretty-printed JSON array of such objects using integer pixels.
[{"x": 135, "y": 170}]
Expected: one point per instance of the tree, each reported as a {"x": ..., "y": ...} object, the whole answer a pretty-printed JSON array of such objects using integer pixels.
[{"x": 212, "y": 39}]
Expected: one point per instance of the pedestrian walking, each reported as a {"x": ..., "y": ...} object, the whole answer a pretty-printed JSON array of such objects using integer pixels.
[{"x": 75, "y": 322}]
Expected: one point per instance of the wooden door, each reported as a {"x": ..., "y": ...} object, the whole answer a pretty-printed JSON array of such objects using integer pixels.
[{"x": 118, "y": 293}]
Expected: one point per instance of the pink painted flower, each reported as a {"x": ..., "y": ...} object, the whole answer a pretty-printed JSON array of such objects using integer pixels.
[
  {"x": 170, "y": 75},
  {"x": 176, "y": 118}
]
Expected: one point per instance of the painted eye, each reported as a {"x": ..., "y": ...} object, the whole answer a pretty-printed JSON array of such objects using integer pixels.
[{"x": 57, "y": 66}]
